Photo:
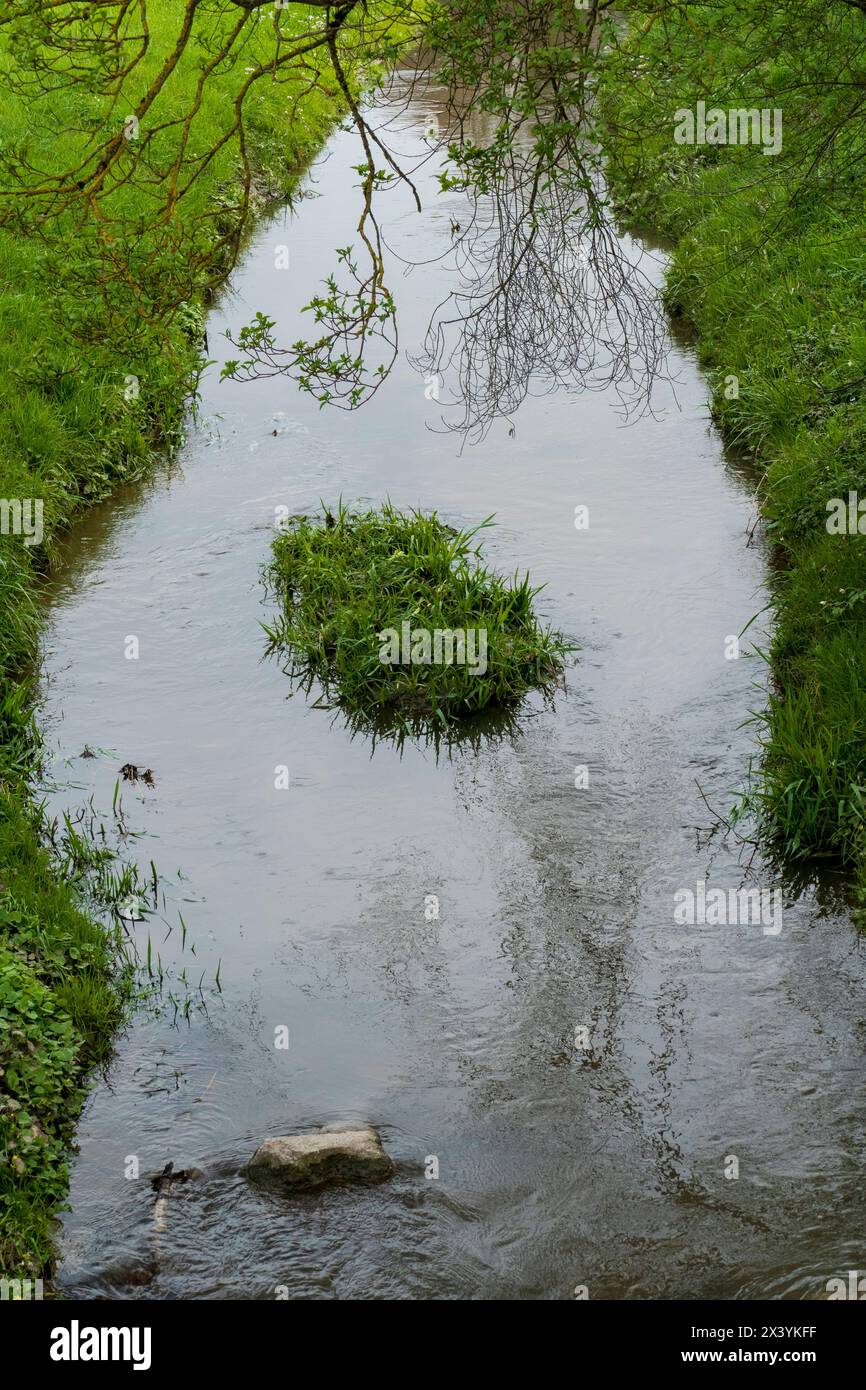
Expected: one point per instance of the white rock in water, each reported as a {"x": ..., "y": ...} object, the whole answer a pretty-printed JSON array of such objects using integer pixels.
[{"x": 329, "y": 1155}]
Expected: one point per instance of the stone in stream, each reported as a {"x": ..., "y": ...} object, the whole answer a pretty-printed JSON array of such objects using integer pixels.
[{"x": 297, "y": 1161}]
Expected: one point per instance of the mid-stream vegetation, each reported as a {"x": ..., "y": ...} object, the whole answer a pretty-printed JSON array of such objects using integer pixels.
[{"x": 398, "y": 617}]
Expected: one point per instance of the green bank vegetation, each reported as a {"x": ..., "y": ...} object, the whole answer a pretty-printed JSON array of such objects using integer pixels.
[
  {"x": 769, "y": 266},
  {"x": 101, "y": 314},
  {"x": 399, "y": 618}
]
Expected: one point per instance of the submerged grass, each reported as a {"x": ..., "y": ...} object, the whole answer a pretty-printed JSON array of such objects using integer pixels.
[
  {"x": 774, "y": 289},
  {"x": 397, "y": 616}
]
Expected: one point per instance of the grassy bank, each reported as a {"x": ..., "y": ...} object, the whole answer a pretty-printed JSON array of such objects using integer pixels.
[
  {"x": 94, "y": 384},
  {"x": 769, "y": 265}
]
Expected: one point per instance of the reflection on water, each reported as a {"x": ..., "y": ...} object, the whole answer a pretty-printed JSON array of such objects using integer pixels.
[
  {"x": 454, "y": 1030},
  {"x": 394, "y": 729}
]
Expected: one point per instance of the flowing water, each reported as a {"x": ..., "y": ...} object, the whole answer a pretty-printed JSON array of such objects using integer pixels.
[{"x": 603, "y": 1164}]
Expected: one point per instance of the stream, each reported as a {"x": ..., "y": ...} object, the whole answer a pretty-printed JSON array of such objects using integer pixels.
[{"x": 604, "y": 1168}]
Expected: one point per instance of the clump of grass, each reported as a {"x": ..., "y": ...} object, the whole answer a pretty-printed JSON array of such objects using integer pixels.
[{"x": 348, "y": 580}]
